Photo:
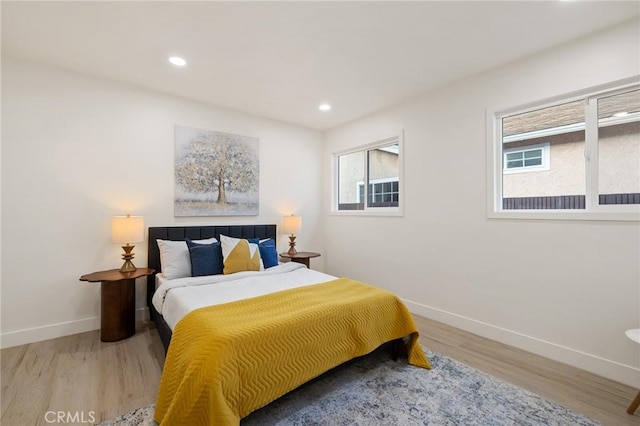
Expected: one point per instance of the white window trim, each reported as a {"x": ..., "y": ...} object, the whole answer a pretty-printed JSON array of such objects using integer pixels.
[
  {"x": 593, "y": 210},
  {"x": 370, "y": 211},
  {"x": 525, "y": 169}
]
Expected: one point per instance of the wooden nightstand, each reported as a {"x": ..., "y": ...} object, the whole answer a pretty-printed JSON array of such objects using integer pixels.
[
  {"x": 300, "y": 257},
  {"x": 118, "y": 302}
]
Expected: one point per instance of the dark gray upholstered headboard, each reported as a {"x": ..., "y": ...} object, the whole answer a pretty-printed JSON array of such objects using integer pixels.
[{"x": 179, "y": 233}]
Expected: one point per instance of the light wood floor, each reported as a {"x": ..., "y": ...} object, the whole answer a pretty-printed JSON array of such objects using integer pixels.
[
  {"x": 600, "y": 399},
  {"x": 81, "y": 374}
]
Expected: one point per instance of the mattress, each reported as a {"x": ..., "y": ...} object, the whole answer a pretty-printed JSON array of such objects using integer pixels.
[{"x": 174, "y": 299}]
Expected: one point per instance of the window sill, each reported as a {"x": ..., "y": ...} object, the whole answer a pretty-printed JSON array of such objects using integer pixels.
[
  {"x": 390, "y": 213},
  {"x": 629, "y": 216}
]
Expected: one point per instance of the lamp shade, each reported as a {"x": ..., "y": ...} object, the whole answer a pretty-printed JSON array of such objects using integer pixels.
[
  {"x": 127, "y": 229},
  {"x": 291, "y": 224}
]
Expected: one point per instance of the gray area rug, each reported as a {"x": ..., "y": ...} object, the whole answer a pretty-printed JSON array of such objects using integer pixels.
[{"x": 375, "y": 390}]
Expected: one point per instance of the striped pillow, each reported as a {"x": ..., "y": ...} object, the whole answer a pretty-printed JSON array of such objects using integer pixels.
[{"x": 239, "y": 255}]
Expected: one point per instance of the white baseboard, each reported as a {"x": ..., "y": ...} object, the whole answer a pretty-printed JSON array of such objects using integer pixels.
[
  {"x": 613, "y": 370},
  {"x": 52, "y": 331}
]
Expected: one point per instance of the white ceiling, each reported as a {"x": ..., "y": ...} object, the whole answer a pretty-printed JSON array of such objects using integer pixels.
[{"x": 282, "y": 59}]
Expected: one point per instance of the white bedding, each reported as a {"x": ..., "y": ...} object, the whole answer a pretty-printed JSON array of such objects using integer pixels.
[{"x": 176, "y": 298}]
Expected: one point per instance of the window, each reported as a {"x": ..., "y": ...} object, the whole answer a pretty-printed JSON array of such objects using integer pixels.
[
  {"x": 532, "y": 158},
  {"x": 572, "y": 157},
  {"x": 368, "y": 179},
  {"x": 382, "y": 192}
]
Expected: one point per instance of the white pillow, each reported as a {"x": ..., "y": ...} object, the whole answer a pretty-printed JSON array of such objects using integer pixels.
[{"x": 174, "y": 258}]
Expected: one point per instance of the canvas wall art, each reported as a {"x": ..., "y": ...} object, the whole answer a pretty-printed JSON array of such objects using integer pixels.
[{"x": 216, "y": 173}]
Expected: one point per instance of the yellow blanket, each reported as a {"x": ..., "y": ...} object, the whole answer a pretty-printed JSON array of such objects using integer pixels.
[{"x": 228, "y": 360}]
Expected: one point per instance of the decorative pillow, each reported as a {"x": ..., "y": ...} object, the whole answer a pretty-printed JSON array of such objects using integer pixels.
[
  {"x": 268, "y": 252},
  {"x": 206, "y": 259},
  {"x": 239, "y": 255},
  {"x": 174, "y": 258}
]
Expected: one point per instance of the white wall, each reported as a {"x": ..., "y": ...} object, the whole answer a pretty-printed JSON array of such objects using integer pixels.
[
  {"x": 564, "y": 289},
  {"x": 77, "y": 150}
]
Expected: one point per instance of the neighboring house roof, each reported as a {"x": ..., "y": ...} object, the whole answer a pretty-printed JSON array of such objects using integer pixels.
[{"x": 569, "y": 113}]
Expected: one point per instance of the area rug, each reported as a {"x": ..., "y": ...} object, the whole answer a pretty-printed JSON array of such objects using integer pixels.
[{"x": 376, "y": 390}]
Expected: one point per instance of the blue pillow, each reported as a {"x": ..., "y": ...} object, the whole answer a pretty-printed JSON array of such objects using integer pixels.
[
  {"x": 268, "y": 251},
  {"x": 206, "y": 259}
]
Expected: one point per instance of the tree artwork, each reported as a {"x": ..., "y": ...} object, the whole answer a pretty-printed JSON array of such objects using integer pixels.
[{"x": 215, "y": 173}]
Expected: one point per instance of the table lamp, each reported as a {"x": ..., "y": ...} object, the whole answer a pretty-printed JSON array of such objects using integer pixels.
[
  {"x": 291, "y": 225},
  {"x": 126, "y": 230}
]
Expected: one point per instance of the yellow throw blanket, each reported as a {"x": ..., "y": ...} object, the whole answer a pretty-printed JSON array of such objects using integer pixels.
[{"x": 228, "y": 360}]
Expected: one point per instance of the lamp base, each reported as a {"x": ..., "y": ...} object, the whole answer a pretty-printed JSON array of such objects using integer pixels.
[
  {"x": 128, "y": 265},
  {"x": 292, "y": 245}
]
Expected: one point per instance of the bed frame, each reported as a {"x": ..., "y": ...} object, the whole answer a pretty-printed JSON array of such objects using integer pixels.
[{"x": 179, "y": 233}]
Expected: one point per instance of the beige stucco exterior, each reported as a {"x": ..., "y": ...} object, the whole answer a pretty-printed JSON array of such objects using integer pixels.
[
  {"x": 620, "y": 159},
  {"x": 619, "y": 152},
  {"x": 350, "y": 171}
]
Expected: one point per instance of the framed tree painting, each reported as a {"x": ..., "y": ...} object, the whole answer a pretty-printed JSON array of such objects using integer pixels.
[{"x": 216, "y": 173}]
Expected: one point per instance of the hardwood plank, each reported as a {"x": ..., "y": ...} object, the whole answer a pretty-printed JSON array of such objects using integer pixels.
[
  {"x": 594, "y": 396},
  {"x": 10, "y": 360},
  {"x": 110, "y": 383},
  {"x": 26, "y": 398},
  {"x": 75, "y": 367},
  {"x": 80, "y": 374}
]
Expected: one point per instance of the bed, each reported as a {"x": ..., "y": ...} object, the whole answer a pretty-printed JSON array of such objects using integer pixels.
[{"x": 236, "y": 342}]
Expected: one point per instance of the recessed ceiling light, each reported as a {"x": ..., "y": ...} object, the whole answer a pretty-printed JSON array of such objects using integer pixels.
[
  {"x": 324, "y": 107},
  {"x": 177, "y": 61}
]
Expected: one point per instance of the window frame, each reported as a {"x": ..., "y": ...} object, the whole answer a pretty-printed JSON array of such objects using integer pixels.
[
  {"x": 593, "y": 209},
  {"x": 369, "y": 211}
]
